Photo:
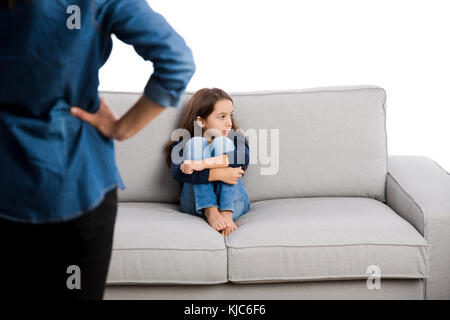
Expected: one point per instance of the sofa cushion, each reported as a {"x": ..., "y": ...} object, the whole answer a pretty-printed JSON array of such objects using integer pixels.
[
  {"x": 324, "y": 238},
  {"x": 327, "y": 142},
  {"x": 141, "y": 160},
  {"x": 154, "y": 243},
  {"x": 309, "y": 127}
]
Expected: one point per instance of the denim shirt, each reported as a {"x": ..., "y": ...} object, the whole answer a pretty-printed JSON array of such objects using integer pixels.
[{"x": 53, "y": 166}]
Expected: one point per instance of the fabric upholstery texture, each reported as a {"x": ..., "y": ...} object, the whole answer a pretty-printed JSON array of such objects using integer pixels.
[
  {"x": 155, "y": 243},
  {"x": 419, "y": 190},
  {"x": 306, "y": 129},
  {"x": 324, "y": 238},
  {"x": 277, "y": 240},
  {"x": 336, "y": 205},
  {"x": 337, "y": 290}
]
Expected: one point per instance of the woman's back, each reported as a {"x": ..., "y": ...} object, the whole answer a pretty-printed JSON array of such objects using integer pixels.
[
  {"x": 43, "y": 62},
  {"x": 57, "y": 161},
  {"x": 55, "y": 167}
]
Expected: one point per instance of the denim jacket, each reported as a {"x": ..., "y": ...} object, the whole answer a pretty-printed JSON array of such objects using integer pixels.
[{"x": 53, "y": 166}]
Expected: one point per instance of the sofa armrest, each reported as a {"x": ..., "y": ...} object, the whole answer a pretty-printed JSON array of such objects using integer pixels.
[{"x": 418, "y": 189}]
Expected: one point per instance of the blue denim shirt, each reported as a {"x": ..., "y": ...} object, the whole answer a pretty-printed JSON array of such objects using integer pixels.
[{"x": 53, "y": 166}]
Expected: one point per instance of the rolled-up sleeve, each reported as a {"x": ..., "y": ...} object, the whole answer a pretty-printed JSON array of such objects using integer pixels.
[{"x": 135, "y": 23}]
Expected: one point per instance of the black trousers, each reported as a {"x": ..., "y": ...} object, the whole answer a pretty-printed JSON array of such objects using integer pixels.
[{"x": 68, "y": 260}]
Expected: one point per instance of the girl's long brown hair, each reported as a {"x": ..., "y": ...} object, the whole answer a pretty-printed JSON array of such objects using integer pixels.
[{"x": 201, "y": 104}]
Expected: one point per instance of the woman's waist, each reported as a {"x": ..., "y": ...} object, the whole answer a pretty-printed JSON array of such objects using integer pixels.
[{"x": 57, "y": 143}]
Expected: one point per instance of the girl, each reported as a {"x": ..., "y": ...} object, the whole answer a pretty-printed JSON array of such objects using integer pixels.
[{"x": 211, "y": 174}]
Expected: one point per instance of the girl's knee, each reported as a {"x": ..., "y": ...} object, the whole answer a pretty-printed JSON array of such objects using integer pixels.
[
  {"x": 194, "y": 148},
  {"x": 221, "y": 145},
  {"x": 196, "y": 141}
]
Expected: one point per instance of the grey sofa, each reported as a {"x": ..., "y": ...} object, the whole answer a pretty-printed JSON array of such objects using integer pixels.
[{"x": 332, "y": 215}]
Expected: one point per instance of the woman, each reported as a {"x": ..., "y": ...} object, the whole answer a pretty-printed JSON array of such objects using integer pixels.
[{"x": 59, "y": 180}]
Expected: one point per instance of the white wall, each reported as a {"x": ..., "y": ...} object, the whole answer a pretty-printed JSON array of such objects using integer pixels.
[{"x": 246, "y": 45}]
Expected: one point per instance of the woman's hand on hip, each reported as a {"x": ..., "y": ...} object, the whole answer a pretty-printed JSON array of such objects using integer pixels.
[{"x": 104, "y": 120}]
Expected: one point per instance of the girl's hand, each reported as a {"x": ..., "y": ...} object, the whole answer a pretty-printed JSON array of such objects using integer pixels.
[
  {"x": 104, "y": 120},
  {"x": 230, "y": 175},
  {"x": 189, "y": 166}
]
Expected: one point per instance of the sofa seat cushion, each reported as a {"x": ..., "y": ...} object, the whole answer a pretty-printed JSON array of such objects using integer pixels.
[
  {"x": 154, "y": 243},
  {"x": 298, "y": 239}
]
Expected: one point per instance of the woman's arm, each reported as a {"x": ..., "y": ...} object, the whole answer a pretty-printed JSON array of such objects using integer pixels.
[
  {"x": 154, "y": 39},
  {"x": 136, "y": 118},
  {"x": 108, "y": 123},
  {"x": 135, "y": 23}
]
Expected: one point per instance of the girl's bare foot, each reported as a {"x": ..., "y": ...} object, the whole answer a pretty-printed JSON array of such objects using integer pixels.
[
  {"x": 215, "y": 219},
  {"x": 228, "y": 216}
]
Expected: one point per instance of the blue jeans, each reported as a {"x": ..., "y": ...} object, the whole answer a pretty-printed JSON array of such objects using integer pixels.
[{"x": 196, "y": 197}]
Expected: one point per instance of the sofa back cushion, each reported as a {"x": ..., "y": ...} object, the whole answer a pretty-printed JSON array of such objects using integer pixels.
[{"x": 319, "y": 142}]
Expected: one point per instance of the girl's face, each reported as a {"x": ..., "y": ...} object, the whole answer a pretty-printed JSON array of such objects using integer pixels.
[{"x": 220, "y": 119}]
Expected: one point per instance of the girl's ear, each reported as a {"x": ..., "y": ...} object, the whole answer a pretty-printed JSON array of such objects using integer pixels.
[{"x": 200, "y": 122}]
